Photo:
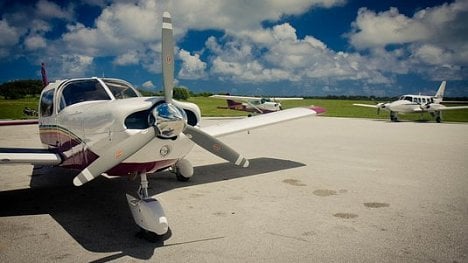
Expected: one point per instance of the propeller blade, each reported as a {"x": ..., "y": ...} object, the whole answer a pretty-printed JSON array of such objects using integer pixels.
[
  {"x": 378, "y": 110},
  {"x": 167, "y": 57},
  {"x": 215, "y": 146},
  {"x": 115, "y": 155}
]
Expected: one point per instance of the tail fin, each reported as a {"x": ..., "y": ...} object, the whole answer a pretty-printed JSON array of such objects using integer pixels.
[
  {"x": 440, "y": 92},
  {"x": 45, "y": 81},
  {"x": 234, "y": 105}
]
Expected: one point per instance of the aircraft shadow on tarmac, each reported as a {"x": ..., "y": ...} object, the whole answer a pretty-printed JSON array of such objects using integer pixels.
[{"x": 97, "y": 216}]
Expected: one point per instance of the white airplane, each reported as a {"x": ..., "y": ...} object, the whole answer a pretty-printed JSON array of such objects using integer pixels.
[
  {"x": 104, "y": 126},
  {"x": 416, "y": 104},
  {"x": 253, "y": 104}
]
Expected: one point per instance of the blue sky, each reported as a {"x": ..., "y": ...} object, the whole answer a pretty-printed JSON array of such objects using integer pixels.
[{"x": 259, "y": 47}]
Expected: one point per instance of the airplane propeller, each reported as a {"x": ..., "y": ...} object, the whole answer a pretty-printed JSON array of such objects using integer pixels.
[
  {"x": 198, "y": 136},
  {"x": 380, "y": 106},
  {"x": 114, "y": 155},
  {"x": 215, "y": 146},
  {"x": 169, "y": 122}
]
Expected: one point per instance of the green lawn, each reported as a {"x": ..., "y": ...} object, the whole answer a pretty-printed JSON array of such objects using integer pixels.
[
  {"x": 13, "y": 109},
  {"x": 335, "y": 108}
]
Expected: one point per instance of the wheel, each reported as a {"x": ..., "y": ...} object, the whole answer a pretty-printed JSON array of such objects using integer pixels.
[
  {"x": 181, "y": 178},
  {"x": 183, "y": 170},
  {"x": 153, "y": 237},
  {"x": 438, "y": 119}
]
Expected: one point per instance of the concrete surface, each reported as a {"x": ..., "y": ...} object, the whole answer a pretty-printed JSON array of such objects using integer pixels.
[{"x": 318, "y": 190}]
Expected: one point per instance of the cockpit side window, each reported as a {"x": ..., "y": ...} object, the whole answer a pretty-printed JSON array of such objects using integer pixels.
[
  {"x": 47, "y": 103},
  {"x": 120, "y": 90},
  {"x": 82, "y": 90}
]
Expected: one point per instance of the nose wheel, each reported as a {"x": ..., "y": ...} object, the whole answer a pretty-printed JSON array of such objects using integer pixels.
[{"x": 147, "y": 212}]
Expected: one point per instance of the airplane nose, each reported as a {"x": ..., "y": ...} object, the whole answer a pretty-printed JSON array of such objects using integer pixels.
[{"x": 170, "y": 121}]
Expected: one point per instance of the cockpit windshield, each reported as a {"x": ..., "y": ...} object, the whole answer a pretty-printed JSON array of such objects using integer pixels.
[
  {"x": 82, "y": 90},
  {"x": 408, "y": 98},
  {"x": 120, "y": 90}
]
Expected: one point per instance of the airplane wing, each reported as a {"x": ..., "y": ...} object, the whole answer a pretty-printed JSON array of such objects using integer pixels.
[
  {"x": 238, "y": 98},
  {"x": 245, "y": 98},
  {"x": 32, "y": 156},
  {"x": 29, "y": 155},
  {"x": 258, "y": 121},
  {"x": 453, "y": 108},
  {"x": 366, "y": 105},
  {"x": 290, "y": 98}
]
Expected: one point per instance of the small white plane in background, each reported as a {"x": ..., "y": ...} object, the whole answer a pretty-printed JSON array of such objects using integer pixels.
[
  {"x": 104, "y": 126},
  {"x": 255, "y": 104},
  {"x": 416, "y": 104}
]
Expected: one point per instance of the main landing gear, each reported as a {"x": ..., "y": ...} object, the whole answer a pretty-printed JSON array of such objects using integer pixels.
[{"x": 393, "y": 116}]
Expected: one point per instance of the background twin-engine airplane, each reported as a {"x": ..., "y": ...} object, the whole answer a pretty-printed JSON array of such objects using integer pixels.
[
  {"x": 104, "y": 126},
  {"x": 416, "y": 104}
]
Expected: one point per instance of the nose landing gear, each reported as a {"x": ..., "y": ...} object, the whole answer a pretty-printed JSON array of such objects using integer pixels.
[{"x": 147, "y": 211}]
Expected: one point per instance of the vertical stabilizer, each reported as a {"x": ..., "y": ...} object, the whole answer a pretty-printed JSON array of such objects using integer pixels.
[
  {"x": 440, "y": 92},
  {"x": 45, "y": 81}
]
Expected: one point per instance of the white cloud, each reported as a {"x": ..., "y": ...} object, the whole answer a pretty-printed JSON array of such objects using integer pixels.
[
  {"x": 276, "y": 54},
  {"x": 148, "y": 85},
  {"x": 49, "y": 10},
  {"x": 9, "y": 38},
  {"x": 74, "y": 65},
  {"x": 192, "y": 66},
  {"x": 434, "y": 40},
  {"x": 234, "y": 16},
  {"x": 389, "y": 27},
  {"x": 35, "y": 42},
  {"x": 129, "y": 58},
  {"x": 9, "y": 35}
]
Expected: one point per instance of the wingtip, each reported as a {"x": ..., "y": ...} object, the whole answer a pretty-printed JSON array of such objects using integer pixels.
[{"x": 317, "y": 109}]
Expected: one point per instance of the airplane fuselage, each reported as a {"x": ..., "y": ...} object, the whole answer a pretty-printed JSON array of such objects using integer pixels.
[
  {"x": 413, "y": 104},
  {"x": 264, "y": 105},
  {"x": 82, "y": 129}
]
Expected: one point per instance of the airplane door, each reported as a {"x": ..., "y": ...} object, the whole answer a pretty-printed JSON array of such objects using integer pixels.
[
  {"x": 70, "y": 130},
  {"x": 47, "y": 120}
]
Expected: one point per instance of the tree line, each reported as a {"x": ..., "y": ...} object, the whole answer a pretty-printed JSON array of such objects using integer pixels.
[
  {"x": 18, "y": 89},
  {"x": 21, "y": 88}
]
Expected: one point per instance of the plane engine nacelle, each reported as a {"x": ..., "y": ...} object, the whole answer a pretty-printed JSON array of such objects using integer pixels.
[
  {"x": 432, "y": 107},
  {"x": 148, "y": 214}
]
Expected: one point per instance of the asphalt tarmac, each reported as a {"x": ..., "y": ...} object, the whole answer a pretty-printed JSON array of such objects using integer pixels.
[{"x": 318, "y": 190}]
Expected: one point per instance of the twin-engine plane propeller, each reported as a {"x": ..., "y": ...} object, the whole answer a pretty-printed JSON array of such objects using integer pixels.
[{"x": 104, "y": 126}]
